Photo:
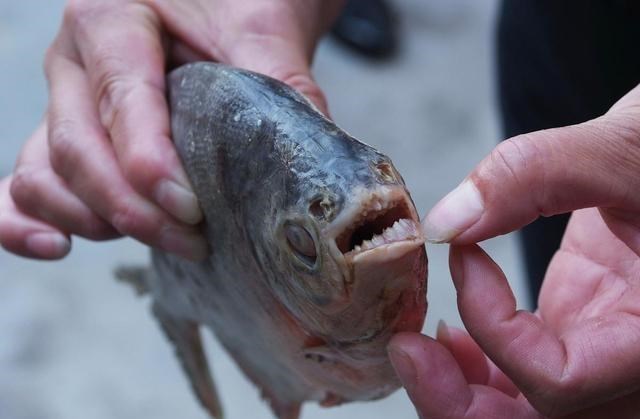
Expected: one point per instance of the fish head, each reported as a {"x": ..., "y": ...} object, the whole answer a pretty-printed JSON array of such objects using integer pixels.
[{"x": 351, "y": 237}]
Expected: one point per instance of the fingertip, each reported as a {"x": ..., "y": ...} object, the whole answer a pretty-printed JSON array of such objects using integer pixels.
[
  {"x": 459, "y": 210},
  {"x": 318, "y": 99},
  {"x": 456, "y": 266},
  {"x": 25, "y": 236},
  {"x": 433, "y": 380},
  {"x": 483, "y": 291},
  {"x": 305, "y": 85},
  {"x": 48, "y": 245},
  {"x": 410, "y": 355},
  {"x": 179, "y": 201},
  {"x": 471, "y": 264},
  {"x": 403, "y": 365},
  {"x": 32, "y": 239}
]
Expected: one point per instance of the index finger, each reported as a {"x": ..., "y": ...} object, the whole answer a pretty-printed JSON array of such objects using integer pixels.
[
  {"x": 558, "y": 374},
  {"x": 122, "y": 53}
]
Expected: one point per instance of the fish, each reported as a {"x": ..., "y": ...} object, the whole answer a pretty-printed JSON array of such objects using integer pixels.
[{"x": 316, "y": 258}]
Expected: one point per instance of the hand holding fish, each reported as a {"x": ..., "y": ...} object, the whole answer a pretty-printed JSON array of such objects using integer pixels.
[
  {"x": 577, "y": 356},
  {"x": 102, "y": 164}
]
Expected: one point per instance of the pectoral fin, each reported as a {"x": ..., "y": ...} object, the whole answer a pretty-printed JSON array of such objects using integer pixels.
[{"x": 185, "y": 336}]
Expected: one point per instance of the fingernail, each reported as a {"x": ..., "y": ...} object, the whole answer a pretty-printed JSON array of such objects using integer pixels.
[
  {"x": 455, "y": 213},
  {"x": 178, "y": 201},
  {"x": 442, "y": 333},
  {"x": 405, "y": 369},
  {"x": 189, "y": 246},
  {"x": 48, "y": 244}
]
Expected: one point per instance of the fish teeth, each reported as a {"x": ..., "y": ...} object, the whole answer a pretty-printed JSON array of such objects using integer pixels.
[
  {"x": 410, "y": 228},
  {"x": 377, "y": 240},
  {"x": 401, "y": 229},
  {"x": 397, "y": 227}
]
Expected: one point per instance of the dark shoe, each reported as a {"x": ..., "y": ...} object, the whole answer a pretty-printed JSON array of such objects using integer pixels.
[{"x": 367, "y": 27}]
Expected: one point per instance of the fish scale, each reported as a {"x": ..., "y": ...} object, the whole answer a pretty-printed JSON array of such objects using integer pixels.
[{"x": 316, "y": 259}]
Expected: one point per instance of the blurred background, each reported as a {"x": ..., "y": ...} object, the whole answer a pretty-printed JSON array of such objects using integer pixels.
[{"x": 75, "y": 344}]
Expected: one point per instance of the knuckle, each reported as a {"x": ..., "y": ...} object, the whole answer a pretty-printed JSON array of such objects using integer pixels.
[
  {"x": 63, "y": 146},
  {"x": 510, "y": 156},
  {"x": 116, "y": 78},
  {"x": 25, "y": 185},
  {"x": 125, "y": 219},
  {"x": 49, "y": 59},
  {"x": 516, "y": 161},
  {"x": 77, "y": 12},
  {"x": 141, "y": 166},
  {"x": 129, "y": 220},
  {"x": 54, "y": 54},
  {"x": 111, "y": 85}
]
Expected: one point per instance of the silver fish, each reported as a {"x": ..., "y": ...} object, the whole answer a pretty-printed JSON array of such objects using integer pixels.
[{"x": 316, "y": 258}]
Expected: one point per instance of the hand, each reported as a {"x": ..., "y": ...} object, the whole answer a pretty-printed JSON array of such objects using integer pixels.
[
  {"x": 102, "y": 164},
  {"x": 577, "y": 356}
]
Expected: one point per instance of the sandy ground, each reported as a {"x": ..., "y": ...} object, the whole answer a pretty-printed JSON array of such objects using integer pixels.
[{"x": 74, "y": 344}]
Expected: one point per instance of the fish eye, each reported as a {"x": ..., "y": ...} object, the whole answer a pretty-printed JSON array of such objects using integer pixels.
[{"x": 301, "y": 242}]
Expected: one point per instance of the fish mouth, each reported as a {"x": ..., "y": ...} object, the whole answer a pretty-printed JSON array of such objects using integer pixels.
[
  {"x": 379, "y": 246},
  {"x": 381, "y": 219}
]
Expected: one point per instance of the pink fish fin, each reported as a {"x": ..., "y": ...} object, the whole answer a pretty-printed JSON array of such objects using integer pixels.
[
  {"x": 185, "y": 336},
  {"x": 284, "y": 409}
]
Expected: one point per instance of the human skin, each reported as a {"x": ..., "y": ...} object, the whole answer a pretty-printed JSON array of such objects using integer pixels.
[
  {"x": 101, "y": 165},
  {"x": 577, "y": 355},
  {"x": 94, "y": 166}
]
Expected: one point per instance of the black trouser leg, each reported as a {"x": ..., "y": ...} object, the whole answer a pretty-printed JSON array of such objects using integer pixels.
[{"x": 562, "y": 62}]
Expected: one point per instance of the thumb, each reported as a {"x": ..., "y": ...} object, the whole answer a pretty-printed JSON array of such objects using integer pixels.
[
  {"x": 283, "y": 59},
  {"x": 594, "y": 164}
]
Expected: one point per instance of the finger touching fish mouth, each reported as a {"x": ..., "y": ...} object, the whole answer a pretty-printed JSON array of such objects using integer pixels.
[{"x": 381, "y": 219}]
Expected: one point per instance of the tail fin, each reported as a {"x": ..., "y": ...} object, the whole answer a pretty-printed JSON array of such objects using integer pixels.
[{"x": 136, "y": 276}]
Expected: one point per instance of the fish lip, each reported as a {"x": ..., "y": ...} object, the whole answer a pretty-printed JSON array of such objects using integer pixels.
[
  {"x": 388, "y": 251},
  {"x": 382, "y": 221}
]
